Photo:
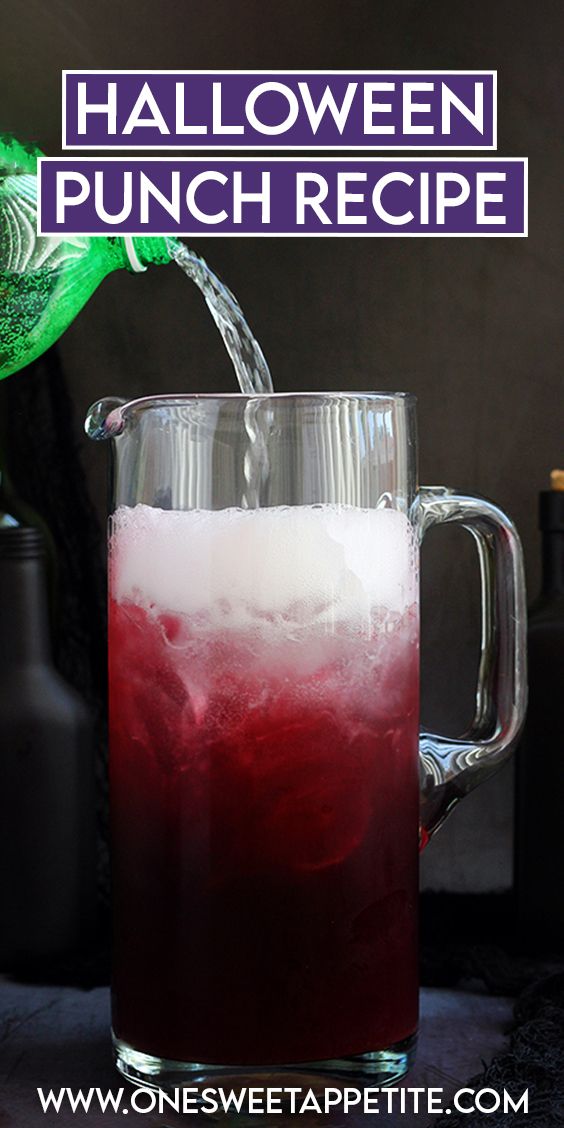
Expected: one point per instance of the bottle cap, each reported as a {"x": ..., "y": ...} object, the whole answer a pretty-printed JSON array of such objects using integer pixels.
[
  {"x": 21, "y": 542},
  {"x": 134, "y": 261},
  {"x": 147, "y": 250},
  {"x": 557, "y": 479}
]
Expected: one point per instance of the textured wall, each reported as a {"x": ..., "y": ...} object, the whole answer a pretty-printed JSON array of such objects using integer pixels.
[{"x": 474, "y": 327}]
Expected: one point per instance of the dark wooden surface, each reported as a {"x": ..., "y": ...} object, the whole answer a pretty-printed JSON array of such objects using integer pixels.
[{"x": 54, "y": 1037}]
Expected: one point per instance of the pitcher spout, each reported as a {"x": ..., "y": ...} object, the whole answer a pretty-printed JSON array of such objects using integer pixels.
[{"x": 104, "y": 419}]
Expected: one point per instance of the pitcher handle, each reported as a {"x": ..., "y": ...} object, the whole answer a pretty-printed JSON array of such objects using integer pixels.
[{"x": 451, "y": 768}]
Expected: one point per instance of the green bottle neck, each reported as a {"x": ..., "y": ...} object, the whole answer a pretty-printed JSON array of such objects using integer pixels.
[{"x": 139, "y": 252}]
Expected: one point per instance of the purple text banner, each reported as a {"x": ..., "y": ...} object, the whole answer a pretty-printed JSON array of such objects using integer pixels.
[
  {"x": 375, "y": 196},
  {"x": 279, "y": 109}
]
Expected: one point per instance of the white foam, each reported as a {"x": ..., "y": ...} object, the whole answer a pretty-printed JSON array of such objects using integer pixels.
[{"x": 308, "y": 563}]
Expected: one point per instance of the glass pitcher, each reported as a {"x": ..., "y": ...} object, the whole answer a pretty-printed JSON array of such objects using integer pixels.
[{"x": 269, "y": 785}]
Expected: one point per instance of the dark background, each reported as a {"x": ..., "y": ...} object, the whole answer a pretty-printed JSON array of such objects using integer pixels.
[{"x": 474, "y": 327}]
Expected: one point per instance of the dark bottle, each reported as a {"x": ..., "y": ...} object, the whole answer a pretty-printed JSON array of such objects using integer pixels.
[
  {"x": 47, "y": 852},
  {"x": 539, "y": 841}
]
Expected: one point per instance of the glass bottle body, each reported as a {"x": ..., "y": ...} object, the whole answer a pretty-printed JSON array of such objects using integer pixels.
[
  {"x": 47, "y": 806},
  {"x": 45, "y": 280}
]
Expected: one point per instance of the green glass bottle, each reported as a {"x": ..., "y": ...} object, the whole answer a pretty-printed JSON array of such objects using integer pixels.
[{"x": 45, "y": 280}]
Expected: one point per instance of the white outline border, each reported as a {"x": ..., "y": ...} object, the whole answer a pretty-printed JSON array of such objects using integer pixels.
[
  {"x": 220, "y": 146},
  {"x": 398, "y": 234}
]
